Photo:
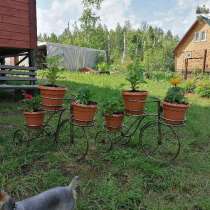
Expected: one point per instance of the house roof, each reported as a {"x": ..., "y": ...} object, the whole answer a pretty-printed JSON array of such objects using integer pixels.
[{"x": 199, "y": 18}]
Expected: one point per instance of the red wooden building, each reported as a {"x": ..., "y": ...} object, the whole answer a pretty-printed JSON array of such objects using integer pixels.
[
  {"x": 18, "y": 27},
  {"x": 18, "y": 41}
]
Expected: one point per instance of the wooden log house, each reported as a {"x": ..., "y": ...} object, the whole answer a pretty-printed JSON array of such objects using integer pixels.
[{"x": 193, "y": 51}]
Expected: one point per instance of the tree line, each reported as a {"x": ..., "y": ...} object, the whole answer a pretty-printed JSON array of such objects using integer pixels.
[{"x": 151, "y": 45}]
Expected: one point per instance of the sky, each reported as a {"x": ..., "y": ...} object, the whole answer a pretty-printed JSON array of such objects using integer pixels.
[{"x": 174, "y": 15}]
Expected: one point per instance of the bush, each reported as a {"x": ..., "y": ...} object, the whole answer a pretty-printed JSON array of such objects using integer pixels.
[
  {"x": 159, "y": 75},
  {"x": 135, "y": 75},
  {"x": 189, "y": 86},
  {"x": 203, "y": 88},
  {"x": 103, "y": 67},
  {"x": 112, "y": 105},
  {"x": 54, "y": 70},
  {"x": 84, "y": 96}
]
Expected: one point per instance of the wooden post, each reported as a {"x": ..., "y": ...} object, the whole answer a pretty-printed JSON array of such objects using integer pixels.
[
  {"x": 204, "y": 61},
  {"x": 2, "y": 60},
  {"x": 186, "y": 68},
  {"x": 32, "y": 58},
  {"x": 32, "y": 61}
]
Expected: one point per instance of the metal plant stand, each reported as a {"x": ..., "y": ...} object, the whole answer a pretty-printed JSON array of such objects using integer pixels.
[
  {"x": 157, "y": 139},
  {"x": 105, "y": 139},
  {"x": 31, "y": 133},
  {"x": 73, "y": 136}
]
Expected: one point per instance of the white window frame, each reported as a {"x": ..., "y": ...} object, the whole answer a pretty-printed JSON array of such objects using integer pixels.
[
  {"x": 205, "y": 38},
  {"x": 188, "y": 54},
  {"x": 198, "y": 36}
]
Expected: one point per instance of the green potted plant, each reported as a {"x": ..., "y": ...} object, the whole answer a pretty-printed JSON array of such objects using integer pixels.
[
  {"x": 52, "y": 94},
  {"x": 113, "y": 111},
  {"x": 175, "y": 104},
  {"x": 134, "y": 99},
  {"x": 103, "y": 68},
  {"x": 33, "y": 113},
  {"x": 83, "y": 108}
]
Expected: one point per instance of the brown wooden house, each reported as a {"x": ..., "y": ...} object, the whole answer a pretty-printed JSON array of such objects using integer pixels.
[{"x": 193, "y": 51}]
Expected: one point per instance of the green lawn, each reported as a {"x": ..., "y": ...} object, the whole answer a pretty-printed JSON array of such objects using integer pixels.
[{"x": 121, "y": 179}]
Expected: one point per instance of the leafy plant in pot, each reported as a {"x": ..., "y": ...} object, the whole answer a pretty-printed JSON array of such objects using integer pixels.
[
  {"x": 83, "y": 108},
  {"x": 52, "y": 95},
  {"x": 34, "y": 115},
  {"x": 134, "y": 100},
  {"x": 113, "y": 111},
  {"x": 175, "y": 104}
]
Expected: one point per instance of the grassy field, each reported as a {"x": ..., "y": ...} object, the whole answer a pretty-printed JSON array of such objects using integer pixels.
[{"x": 120, "y": 179}]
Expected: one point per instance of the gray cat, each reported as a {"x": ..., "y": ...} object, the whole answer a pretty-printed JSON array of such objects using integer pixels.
[{"x": 59, "y": 198}]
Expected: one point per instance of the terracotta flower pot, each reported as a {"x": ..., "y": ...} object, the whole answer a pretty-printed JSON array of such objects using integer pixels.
[
  {"x": 52, "y": 97},
  {"x": 134, "y": 102},
  {"x": 174, "y": 113},
  {"x": 34, "y": 119},
  {"x": 114, "y": 122},
  {"x": 83, "y": 114}
]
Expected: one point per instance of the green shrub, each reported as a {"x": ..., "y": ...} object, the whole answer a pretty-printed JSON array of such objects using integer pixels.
[
  {"x": 135, "y": 75},
  {"x": 203, "y": 88},
  {"x": 54, "y": 69},
  {"x": 103, "y": 67},
  {"x": 84, "y": 96},
  {"x": 32, "y": 104},
  {"x": 176, "y": 94},
  {"x": 159, "y": 75},
  {"x": 189, "y": 86},
  {"x": 112, "y": 105}
]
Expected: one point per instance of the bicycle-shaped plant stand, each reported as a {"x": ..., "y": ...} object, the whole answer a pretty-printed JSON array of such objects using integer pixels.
[
  {"x": 30, "y": 133},
  {"x": 74, "y": 136},
  {"x": 156, "y": 137}
]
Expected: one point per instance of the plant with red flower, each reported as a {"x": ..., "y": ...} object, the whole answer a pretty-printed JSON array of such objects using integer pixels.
[
  {"x": 31, "y": 104},
  {"x": 28, "y": 96}
]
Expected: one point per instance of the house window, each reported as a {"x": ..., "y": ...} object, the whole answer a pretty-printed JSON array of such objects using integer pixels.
[
  {"x": 188, "y": 54},
  {"x": 203, "y": 36},
  {"x": 200, "y": 36},
  {"x": 197, "y": 37}
]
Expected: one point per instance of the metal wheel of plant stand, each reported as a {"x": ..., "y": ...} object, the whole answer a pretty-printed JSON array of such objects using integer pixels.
[
  {"x": 157, "y": 139},
  {"x": 73, "y": 137},
  {"x": 106, "y": 138},
  {"x": 28, "y": 134}
]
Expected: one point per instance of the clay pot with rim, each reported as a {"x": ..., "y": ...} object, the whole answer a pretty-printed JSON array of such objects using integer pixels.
[
  {"x": 83, "y": 114},
  {"x": 52, "y": 97},
  {"x": 114, "y": 121},
  {"x": 34, "y": 119},
  {"x": 174, "y": 113},
  {"x": 134, "y": 102}
]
